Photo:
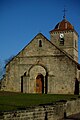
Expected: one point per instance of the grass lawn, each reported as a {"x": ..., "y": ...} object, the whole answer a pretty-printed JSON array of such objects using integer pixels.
[{"x": 14, "y": 101}]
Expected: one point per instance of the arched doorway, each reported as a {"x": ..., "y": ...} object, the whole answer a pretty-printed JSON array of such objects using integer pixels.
[
  {"x": 38, "y": 79},
  {"x": 40, "y": 83}
]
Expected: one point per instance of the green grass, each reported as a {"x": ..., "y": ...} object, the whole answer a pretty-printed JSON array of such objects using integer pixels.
[{"x": 14, "y": 101}]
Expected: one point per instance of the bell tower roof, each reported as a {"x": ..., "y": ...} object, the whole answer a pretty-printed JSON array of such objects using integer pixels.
[
  {"x": 65, "y": 37},
  {"x": 62, "y": 26}
]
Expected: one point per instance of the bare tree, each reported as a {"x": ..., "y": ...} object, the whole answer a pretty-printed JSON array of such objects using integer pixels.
[{"x": 2, "y": 69}]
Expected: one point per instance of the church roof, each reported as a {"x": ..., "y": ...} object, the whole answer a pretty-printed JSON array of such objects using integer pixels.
[{"x": 63, "y": 25}]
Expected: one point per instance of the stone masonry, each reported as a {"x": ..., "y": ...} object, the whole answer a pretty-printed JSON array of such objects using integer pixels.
[{"x": 55, "y": 111}]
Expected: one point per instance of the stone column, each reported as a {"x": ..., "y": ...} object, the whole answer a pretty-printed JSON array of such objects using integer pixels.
[
  {"x": 44, "y": 84},
  {"x": 25, "y": 84}
]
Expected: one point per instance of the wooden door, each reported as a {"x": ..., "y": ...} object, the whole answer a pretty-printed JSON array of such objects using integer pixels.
[{"x": 39, "y": 84}]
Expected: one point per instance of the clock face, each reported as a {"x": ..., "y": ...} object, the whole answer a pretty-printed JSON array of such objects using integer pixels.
[{"x": 61, "y": 35}]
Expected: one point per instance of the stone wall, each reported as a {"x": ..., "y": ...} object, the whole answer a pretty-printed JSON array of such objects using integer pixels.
[
  {"x": 58, "y": 69},
  {"x": 70, "y": 42},
  {"x": 52, "y": 111}
]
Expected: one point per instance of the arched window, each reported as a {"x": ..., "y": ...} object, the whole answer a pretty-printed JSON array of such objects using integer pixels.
[
  {"x": 40, "y": 43},
  {"x": 61, "y": 41}
]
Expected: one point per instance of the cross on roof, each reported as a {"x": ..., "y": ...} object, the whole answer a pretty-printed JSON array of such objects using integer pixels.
[{"x": 64, "y": 16}]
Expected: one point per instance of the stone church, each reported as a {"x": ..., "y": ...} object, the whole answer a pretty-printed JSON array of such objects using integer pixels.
[{"x": 46, "y": 66}]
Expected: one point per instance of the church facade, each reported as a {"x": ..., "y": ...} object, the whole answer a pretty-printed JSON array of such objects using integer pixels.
[{"x": 46, "y": 66}]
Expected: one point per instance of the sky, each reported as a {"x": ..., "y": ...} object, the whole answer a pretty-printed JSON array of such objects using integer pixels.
[{"x": 22, "y": 20}]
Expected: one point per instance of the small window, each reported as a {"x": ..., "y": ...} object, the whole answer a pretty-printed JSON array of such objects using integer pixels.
[
  {"x": 61, "y": 41},
  {"x": 40, "y": 43}
]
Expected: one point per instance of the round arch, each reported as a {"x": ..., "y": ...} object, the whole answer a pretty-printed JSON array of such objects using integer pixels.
[
  {"x": 37, "y": 78},
  {"x": 37, "y": 67}
]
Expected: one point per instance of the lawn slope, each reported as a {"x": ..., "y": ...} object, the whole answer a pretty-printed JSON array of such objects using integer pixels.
[{"x": 14, "y": 101}]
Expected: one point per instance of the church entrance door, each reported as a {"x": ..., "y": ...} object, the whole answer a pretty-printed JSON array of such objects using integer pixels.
[{"x": 40, "y": 84}]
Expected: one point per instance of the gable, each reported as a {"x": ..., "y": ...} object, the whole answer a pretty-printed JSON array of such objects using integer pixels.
[
  {"x": 34, "y": 49},
  {"x": 39, "y": 46}
]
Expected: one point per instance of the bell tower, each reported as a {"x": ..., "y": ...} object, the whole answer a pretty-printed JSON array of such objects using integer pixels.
[{"x": 65, "y": 37}]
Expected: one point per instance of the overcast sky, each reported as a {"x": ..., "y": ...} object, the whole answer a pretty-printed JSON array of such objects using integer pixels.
[{"x": 22, "y": 20}]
